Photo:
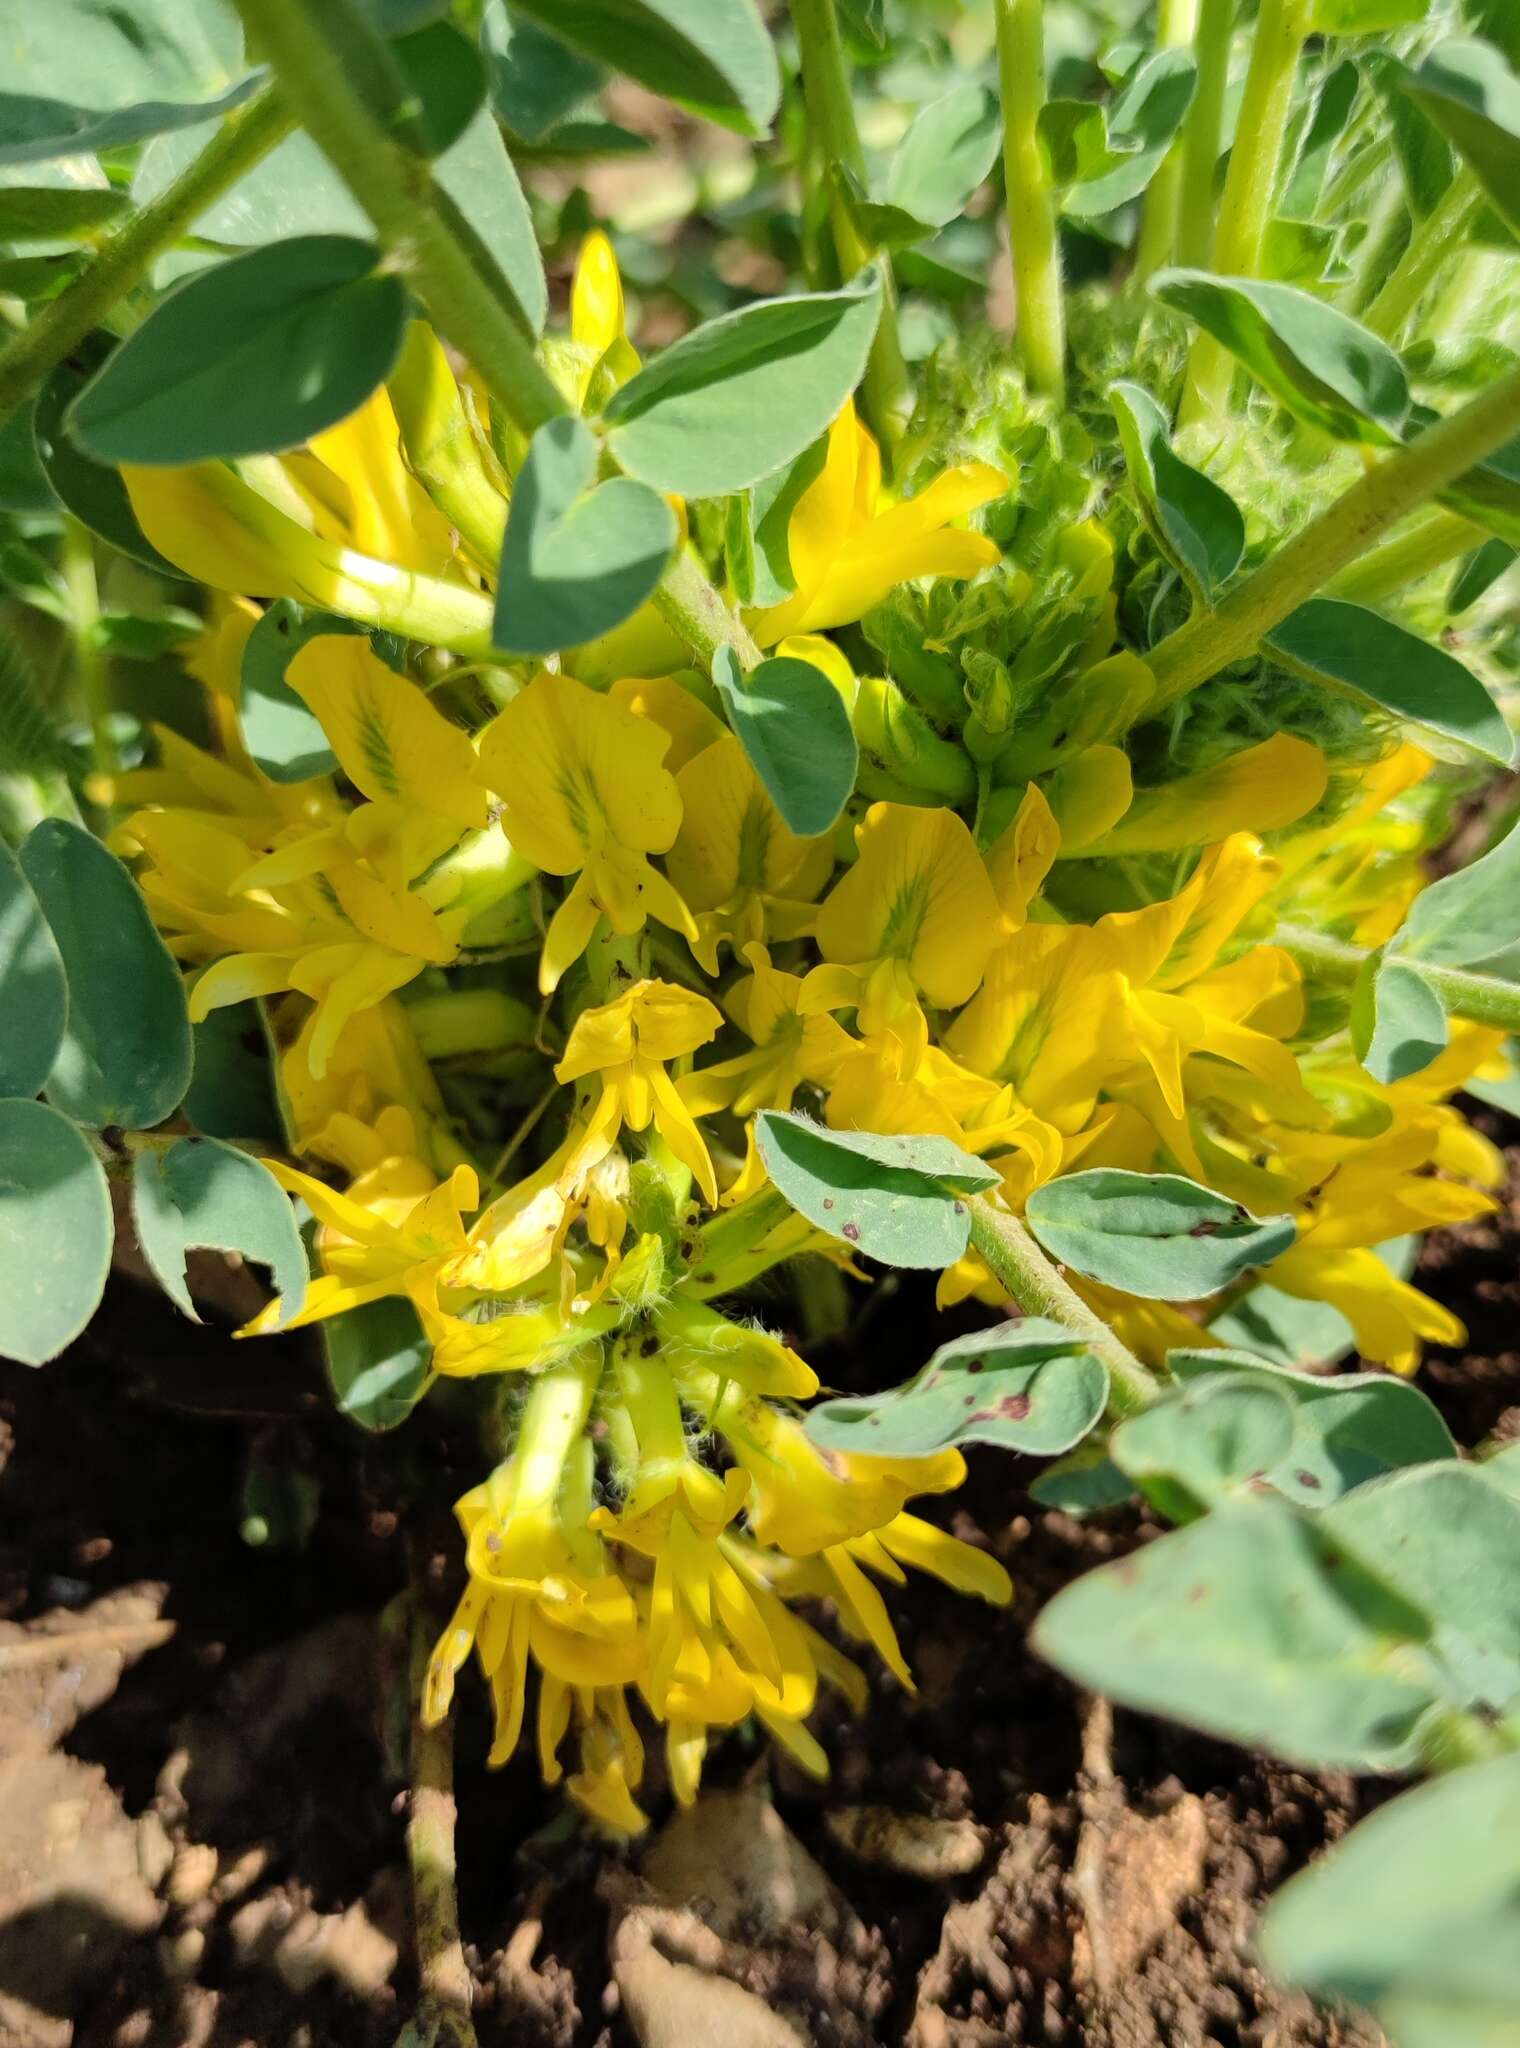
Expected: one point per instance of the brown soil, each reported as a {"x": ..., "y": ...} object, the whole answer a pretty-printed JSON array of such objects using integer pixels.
[{"x": 201, "y": 1825}]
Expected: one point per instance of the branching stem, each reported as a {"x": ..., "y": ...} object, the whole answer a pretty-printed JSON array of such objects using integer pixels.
[{"x": 1480, "y": 998}]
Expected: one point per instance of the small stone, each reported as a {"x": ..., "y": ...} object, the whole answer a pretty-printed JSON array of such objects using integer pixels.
[{"x": 193, "y": 1874}]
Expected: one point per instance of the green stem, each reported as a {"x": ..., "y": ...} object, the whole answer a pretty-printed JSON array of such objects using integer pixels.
[
  {"x": 692, "y": 608},
  {"x": 90, "y": 676},
  {"x": 1034, "y": 240},
  {"x": 244, "y": 138},
  {"x": 1177, "y": 26},
  {"x": 1249, "y": 188},
  {"x": 1343, "y": 532},
  {"x": 319, "y": 49},
  {"x": 444, "y": 1986},
  {"x": 1480, "y": 998},
  {"x": 1203, "y": 132},
  {"x": 1438, "y": 538},
  {"x": 1019, "y": 1265},
  {"x": 1436, "y": 239},
  {"x": 836, "y": 140}
]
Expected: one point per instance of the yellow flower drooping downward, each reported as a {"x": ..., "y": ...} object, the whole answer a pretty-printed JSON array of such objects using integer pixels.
[
  {"x": 628, "y": 1043},
  {"x": 849, "y": 548},
  {"x": 584, "y": 793}
]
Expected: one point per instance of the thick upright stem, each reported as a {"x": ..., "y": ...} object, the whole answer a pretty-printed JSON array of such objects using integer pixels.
[
  {"x": 836, "y": 140},
  {"x": 125, "y": 260},
  {"x": 1249, "y": 187},
  {"x": 1032, "y": 232},
  {"x": 1343, "y": 532},
  {"x": 1436, "y": 239},
  {"x": 1177, "y": 27},
  {"x": 444, "y": 1985},
  {"x": 1018, "y": 1264},
  {"x": 1203, "y": 132}
]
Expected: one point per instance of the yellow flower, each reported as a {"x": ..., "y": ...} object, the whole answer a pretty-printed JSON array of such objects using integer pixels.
[
  {"x": 1034, "y": 1022},
  {"x": 1260, "y": 789},
  {"x": 848, "y": 548},
  {"x": 584, "y": 793},
  {"x": 629, "y": 1042},
  {"x": 916, "y": 915},
  {"x": 789, "y": 1048},
  {"x": 734, "y": 861},
  {"x": 598, "y": 321}
]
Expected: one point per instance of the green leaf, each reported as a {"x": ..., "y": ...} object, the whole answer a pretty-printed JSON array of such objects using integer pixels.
[
  {"x": 1190, "y": 1452},
  {"x": 448, "y": 76},
  {"x": 1489, "y": 493},
  {"x": 714, "y": 57},
  {"x": 579, "y": 557},
  {"x": 55, "y": 1232},
  {"x": 772, "y": 502},
  {"x": 1347, "y": 1427},
  {"x": 1467, "y": 917},
  {"x": 1473, "y": 97},
  {"x": 535, "y": 80},
  {"x": 1322, "y": 365},
  {"x": 1196, "y": 524},
  {"x": 1083, "y": 1484},
  {"x": 52, "y": 213},
  {"x": 232, "y": 1091},
  {"x": 279, "y": 730},
  {"x": 1416, "y": 1913},
  {"x": 203, "y": 1194},
  {"x": 1502, "y": 1469},
  {"x": 1332, "y": 110},
  {"x": 1503, "y": 1093},
  {"x": 34, "y": 996},
  {"x": 125, "y": 1056},
  {"x": 81, "y": 77},
  {"x": 378, "y": 1362},
  {"x": 1280, "y": 1328},
  {"x": 895, "y": 1199},
  {"x": 1248, "y": 1625},
  {"x": 1142, "y": 123},
  {"x": 1299, "y": 251},
  {"x": 93, "y": 492},
  {"x": 1347, "y": 647},
  {"x": 478, "y": 175},
  {"x": 257, "y": 354},
  {"x": 1363, "y": 17},
  {"x": 1029, "y": 1386},
  {"x": 1155, "y": 1235},
  {"x": 1398, "y": 1022},
  {"x": 948, "y": 151},
  {"x": 1478, "y": 574},
  {"x": 742, "y": 395},
  {"x": 794, "y": 727}
]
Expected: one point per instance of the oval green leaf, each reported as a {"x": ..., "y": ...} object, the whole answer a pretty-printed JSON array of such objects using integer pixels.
[
  {"x": 1141, "y": 126},
  {"x": 1473, "y": 97},
  {"x": 280, "y": 730},
  {"x": 55, "y": 1232},
  {"x": 205, "y": 1195},
  {"x": 896, "y": 1199},
  {"x": 744, "y": 394},
  {"x": 535, "y": 79},
  {"x": 1156, "y": 1235},
  {"x": 1467, "y": 917},
  {"x": 1029, "y": 1386},
  {"x": 125, "y": 1055},
  {"x": 1194, "y": 522},
  {"x": 1398, "y": 1022},
  {"x": 948, "y": 151},
  {"x": 1348, "y": 647},
  {"x": 1188, "y": 1453},
  {"x": 793, "y": 725},
  {"x": 1325, "y": 367},
  {"x": 59, "y": 213},
  {"x": 255, "y": 355},
  {"x": 579, "y": 557},
  {"x": 231, "y": 1094},
  {"x": 92, "y": 491},
  {"x": 34, "y": 995},
  {"x": 378, "y": 1362},
  {"x": 714, "y": 57}
]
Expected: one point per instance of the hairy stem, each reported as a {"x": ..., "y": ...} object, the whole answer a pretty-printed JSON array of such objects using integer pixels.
[
  {"x": 1203, "y": 132},
  {"x": 78, "y": 564},
  {"x": 243, "y": 139},
  {"x": 1032, "y": 233},
  {"x": 444, "y": 1984},
  {"x": 1435, "y": 240},
  {"x": 836, "y": 140},
  {"x": 1249, "y": 187},
  {"x": 1480, "y": 998},
  {"x": 1036, "y": 1284},
  {"x": 1343, "y": 532},
  {"x": 1437, "y": 539},
  {"x": 1177, "y": 27}
]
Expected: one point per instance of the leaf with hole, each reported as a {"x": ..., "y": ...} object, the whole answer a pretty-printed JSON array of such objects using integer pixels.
[
  {"x": 714, "y": 57},
  {"x": 1194, "y": 522},
  {"x": 55, "y": 1232},
  {"x": 34, "y": 995},
  {"x": 124, "y": 1059},
  {"x": 579, "y": 556},
  {"x": 257, "y": 354},
  {"x": 744, "y": 394},
  {"x": 1155, "y": 1235},
  {"x": 1029, "y": 1386},
  {"x": 895, "y": 1199},
  {"x": 793, "y": 725},
  {"x": 1322, "y": 365},
  {"x": 205, "y": 1195},
  {"x": 1347, "y": 647}
]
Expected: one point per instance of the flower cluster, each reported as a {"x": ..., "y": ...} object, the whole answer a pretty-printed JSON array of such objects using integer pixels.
[{"x": 1006, "y": 941}]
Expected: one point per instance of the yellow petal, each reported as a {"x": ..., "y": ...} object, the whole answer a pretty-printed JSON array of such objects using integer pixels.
[
  {"x": 596, "y": 295},
  {"x": 1088, "y": 795},
  {"x": 1260, "y": 789}
]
